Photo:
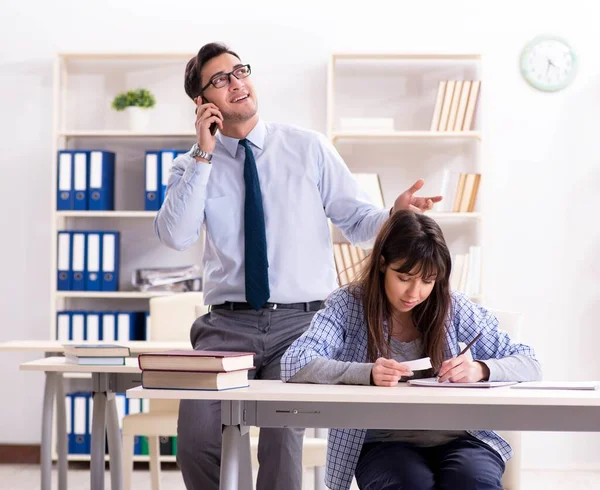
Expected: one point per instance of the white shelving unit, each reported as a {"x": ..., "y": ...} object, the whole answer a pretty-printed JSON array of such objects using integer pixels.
[
  {"x": 404, "y": 86},
  {"x": 84, "y": 87}
]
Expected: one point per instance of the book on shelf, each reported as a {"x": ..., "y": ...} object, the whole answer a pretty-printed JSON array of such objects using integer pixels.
[
  {"x": 194, "y": 380},
  {"x": 371, "y": 185},
  {"x": 96, "y": 350},
  {"x": 455, "y": 105},
  {"x": 465, "y": 276},
  {"x": 460, "y": 191},
  {"x": 196, "y": 360}
]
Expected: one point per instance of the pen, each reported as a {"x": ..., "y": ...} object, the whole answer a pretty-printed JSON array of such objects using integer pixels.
[{"x": 467, "y": 347}]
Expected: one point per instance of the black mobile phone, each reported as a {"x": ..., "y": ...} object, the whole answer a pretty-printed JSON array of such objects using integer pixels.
[{"x": 213, "y": 126}]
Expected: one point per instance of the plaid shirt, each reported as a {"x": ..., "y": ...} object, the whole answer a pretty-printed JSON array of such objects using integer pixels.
[{"x": 339, "y": 332}]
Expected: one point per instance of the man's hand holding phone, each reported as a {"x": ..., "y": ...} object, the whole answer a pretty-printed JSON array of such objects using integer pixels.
[{"x": 208, "y": 117}]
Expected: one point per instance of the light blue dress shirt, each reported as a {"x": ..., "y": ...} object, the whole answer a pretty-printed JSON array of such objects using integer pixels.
[{"x": 303, "y": 181}]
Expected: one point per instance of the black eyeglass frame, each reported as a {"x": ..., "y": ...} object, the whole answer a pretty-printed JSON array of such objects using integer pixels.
[{"x": 218, "y": 75}]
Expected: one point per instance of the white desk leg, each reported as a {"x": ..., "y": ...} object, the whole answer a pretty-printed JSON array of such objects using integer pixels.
[
  {"x": 97, "y": 456},
  {"x": 114, "y": 444},
  {"x": 46, "y": 444},
  {"x": 245, "y": 458},
  {"x": 230, "y": 464},
  {"x": 61, "y": 432},
  {"x": 320, "y": 470}
]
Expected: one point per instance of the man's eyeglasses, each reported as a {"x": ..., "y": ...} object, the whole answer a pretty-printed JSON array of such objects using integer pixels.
[{"x": 223, "y": 79}]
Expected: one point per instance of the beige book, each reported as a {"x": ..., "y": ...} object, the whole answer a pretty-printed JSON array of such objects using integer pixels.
[
  {"x": 474, "y": 194},
  {"x": 467, "y": 193},
  {"x": 439, "y": 101},
  {"x": 462, "y": 105},
  {"x": 470, "y": 112},
  {"x": 348, "y": 261},
  {"x": 446, "y": 106},
  {"x": 339, "y": 264},
  {"x": 454, "y": 106},
  {"x": 459, "y": 192},
  {"x": 194, "y": 380}
]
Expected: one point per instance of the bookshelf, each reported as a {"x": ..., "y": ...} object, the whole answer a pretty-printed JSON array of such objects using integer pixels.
[
  {"x": 393, "y": 99},
  {"x": 84, "y": 85}
]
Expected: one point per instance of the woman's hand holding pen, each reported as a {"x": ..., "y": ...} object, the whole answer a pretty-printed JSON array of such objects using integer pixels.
[
  {"x": 462, "y": 369},
  {"x": 387, "y": 372}
]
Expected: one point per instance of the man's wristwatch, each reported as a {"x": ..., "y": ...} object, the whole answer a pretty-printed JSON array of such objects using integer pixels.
[{"x": 198, "y": 153}]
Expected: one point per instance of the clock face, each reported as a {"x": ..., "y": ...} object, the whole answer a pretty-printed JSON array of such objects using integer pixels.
[{"x": 548, "y": 63}]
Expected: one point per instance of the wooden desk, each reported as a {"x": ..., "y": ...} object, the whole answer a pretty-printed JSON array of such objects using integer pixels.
[
  {"x": 54, "y": 390},
  {"x": 277, "y": 404}
]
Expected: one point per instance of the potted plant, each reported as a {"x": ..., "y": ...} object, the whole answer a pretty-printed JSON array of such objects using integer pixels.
[{"x": 137, "y": 102}]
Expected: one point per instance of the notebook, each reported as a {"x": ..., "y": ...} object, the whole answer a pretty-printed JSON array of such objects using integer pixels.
[
  {"x": 433, "y": 382},
  {"x": 559, "y": 385}
]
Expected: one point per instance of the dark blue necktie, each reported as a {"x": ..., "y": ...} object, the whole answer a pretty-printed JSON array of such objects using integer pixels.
[{"x": 255, "y": 235}]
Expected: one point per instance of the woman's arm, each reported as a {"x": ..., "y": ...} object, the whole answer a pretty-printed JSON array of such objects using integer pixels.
[
  {"x": 313, "y": 358},
  {"x": 506, "y": 360}
]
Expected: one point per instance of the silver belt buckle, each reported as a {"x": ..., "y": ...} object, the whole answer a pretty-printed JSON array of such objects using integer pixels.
[{"x": 274, "y": 306}]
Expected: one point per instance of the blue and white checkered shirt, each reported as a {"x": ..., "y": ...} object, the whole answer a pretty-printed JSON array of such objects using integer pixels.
[{"x": 339, "y": 332}]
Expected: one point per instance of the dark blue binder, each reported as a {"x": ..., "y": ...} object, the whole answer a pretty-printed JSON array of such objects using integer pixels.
[
  {"x": 78, "y": 260},
  {"x": 63, "y": 260},
  {"x": 80, "y": 179},
  {"x": 153, "y": 181},
  {"x": 64, "y": 184},
  {"x": 101, "y": 188},
  {"x": 110, "y": 260},
  {"x": 93, "y": 275}
]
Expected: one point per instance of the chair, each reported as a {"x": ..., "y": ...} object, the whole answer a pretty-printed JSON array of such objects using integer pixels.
[
  {"x": 510, "y": 322},
  {"x": 171, "y": 319}
]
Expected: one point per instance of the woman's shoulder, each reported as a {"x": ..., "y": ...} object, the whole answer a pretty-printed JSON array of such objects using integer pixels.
[{"x": 348, "y": 296}]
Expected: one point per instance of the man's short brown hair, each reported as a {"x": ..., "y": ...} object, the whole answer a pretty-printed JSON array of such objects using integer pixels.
[{"x": 193, "y": 82}]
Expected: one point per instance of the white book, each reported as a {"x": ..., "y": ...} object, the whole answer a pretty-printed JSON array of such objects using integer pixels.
[
  {"x": 448, "y": 190},
  {"x": 371, "y": 185},
  {"x": 464, "y": 273},
  {"x": 457, "y": 267},
  {"x": 558, "y": 385},
  {"x": 434, "y": 383},
  {"x": 474, "y": 273}
]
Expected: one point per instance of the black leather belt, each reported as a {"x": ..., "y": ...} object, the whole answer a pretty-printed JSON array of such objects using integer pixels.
[{"x": 229, "y": 305}]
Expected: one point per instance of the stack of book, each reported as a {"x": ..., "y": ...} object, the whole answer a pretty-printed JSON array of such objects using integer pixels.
[
  {"x": 455, "y": 105},
  {"x": 195, "y": 369},
  {"x": 96, "y": 354}
]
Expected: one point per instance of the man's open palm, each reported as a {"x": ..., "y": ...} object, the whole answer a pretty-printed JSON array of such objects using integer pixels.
[{"x": 408, "y": 200}]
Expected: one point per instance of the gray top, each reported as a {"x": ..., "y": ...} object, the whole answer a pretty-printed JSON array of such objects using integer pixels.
[{"x": 329, "y": 371}]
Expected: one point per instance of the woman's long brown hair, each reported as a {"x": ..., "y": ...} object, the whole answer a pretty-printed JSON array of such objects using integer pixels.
[{"x": 418, "y": 242}]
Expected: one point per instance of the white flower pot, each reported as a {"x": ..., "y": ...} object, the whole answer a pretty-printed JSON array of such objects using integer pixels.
[{"x": 139, "y": 118}]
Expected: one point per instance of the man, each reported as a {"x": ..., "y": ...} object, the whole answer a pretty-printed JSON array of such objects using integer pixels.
[{"x": 264, "y": 193}]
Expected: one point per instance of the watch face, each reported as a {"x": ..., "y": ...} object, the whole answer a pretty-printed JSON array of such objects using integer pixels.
[{"x": 548, "y": 63}]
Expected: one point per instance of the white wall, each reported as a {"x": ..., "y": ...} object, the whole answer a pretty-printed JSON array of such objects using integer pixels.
[{"x": 542, "y": 151}]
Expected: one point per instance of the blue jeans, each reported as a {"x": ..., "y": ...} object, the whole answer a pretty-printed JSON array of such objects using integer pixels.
[{"x": 463, "y": 464}]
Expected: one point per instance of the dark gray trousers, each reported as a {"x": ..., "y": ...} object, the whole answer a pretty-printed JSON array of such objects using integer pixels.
[{"x": 268, "y": 333}]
